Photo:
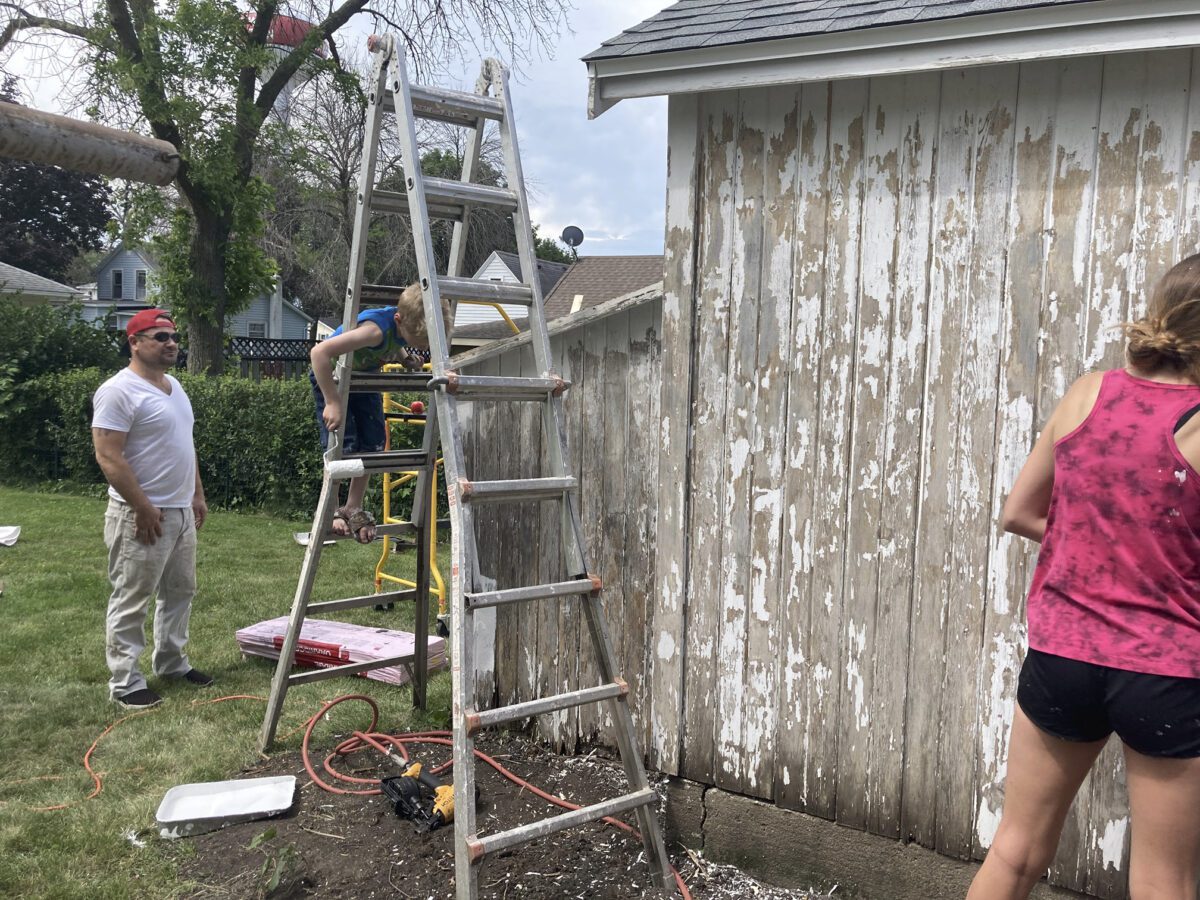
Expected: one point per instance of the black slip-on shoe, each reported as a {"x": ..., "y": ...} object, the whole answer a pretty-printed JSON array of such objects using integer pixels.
[
  {"x": 143, "y": 699},
  {"x": 198, "y": 678}
]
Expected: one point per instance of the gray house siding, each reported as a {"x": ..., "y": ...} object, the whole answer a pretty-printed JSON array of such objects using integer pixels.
[
  {"x": 295, "y": 325},
  {"x": 127, "y": 263}
]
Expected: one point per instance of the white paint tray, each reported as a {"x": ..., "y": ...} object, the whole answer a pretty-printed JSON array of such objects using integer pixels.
[{"x": 189, "y": 809}]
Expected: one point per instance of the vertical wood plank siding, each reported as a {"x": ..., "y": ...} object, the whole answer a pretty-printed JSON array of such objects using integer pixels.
[{"x": 875, "y": 292}]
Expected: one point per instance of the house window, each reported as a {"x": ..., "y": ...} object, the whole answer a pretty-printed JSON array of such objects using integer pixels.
[
  {"x": 256, "y": 330},
  {"x": 117, "y": 278},
  {"x": 141, "y": 285}
]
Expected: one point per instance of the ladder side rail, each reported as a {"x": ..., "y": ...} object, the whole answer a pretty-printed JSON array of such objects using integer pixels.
[
  {"x": 461, "y": 620},
  {"x": 554, "y": 420},
  {"x": 323, "y": 517},
  {"x": 308, "y": 575},
  {"x": 470, "y": 168},
  {"x": 623, "y": 731},
  {"x": 555, "y": 427},
  {"x": 422, "y": 516},
  {"x": 458, "y": 236},
  {"x": 362, "y": 224}
]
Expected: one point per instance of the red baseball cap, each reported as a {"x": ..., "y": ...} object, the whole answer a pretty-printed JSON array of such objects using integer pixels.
[{"x": 147, "y": 319}]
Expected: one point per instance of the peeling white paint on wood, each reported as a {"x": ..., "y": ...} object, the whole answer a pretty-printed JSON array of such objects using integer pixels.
[{"x": 876, "y": 294}]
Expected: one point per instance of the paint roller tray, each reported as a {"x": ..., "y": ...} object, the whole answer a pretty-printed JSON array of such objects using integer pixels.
[{"x": 189, "y": 809}]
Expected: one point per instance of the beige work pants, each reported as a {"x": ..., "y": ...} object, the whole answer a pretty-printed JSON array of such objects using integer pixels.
[{"x": 140, "y": 572}]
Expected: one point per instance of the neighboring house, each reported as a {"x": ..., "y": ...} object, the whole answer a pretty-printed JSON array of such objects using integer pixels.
[
  {"x": 125, "y": 284},
  {"x": 327, "y": 325},
  {"x": 271, "y": 317},
  {"x": 505, "y": 267},
  {"x": 29, "y": 289},
  {"x": 895, "y": 232},
  {"x": 588, "y": 282}
]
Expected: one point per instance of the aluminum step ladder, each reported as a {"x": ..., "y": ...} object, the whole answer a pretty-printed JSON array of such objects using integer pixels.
[{"x": 423, "y": 198}]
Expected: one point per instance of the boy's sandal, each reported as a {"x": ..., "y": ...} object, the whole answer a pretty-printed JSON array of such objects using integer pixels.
[
  {"x": 344, "y": 516},
  {"x": 360, "y": 520}
]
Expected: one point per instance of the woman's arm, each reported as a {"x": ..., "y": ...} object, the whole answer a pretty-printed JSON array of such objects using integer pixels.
[{"x": 1028, "y": 503}]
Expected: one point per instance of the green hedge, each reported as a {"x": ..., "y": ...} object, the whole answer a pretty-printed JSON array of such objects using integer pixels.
[{"x": 257, "y": 441}]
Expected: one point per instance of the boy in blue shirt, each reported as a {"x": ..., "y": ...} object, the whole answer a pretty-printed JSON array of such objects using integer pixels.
[{"x": 380, "y": 336}]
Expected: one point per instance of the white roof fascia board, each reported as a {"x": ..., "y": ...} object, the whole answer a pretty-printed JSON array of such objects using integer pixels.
[{"x": 1084, "y": 29}]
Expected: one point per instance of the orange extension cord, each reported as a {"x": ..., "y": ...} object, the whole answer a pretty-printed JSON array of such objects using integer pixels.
[{"x": 360, "y": 740}]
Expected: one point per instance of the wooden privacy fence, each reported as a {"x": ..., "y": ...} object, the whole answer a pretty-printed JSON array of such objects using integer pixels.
[
  {"x": 875, "y": 292},
  {"x": 610, "y": 354},
  {"x": 260, "y": 358}
]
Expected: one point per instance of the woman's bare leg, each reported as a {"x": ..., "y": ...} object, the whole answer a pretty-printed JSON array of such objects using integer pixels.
[
  {"x": 1044, "y": 773},
  {"x": 1164, "y": 808}
]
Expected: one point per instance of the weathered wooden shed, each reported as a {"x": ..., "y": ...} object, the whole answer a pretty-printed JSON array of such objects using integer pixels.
[{"x": 896, "y": 231}]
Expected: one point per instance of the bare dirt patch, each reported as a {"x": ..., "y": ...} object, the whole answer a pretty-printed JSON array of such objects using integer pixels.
[{"x": 340, "y": 846}]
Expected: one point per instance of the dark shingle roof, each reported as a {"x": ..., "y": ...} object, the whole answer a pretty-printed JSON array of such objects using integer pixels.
[
  {"x": 692, "y": 24},
  {"x": 598, "y": 278},
  {"x": 548, "y": 272},
  {"x": 601, "y": 278}
]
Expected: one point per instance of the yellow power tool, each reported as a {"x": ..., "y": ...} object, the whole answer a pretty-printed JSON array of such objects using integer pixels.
[{"x": 428, "y": 809}]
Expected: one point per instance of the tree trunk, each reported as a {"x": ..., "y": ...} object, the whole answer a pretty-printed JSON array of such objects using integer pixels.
[{"x": 206, "y": 336}]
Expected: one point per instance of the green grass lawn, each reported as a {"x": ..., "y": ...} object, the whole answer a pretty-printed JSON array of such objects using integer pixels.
[{"x": 55, "y": 698}]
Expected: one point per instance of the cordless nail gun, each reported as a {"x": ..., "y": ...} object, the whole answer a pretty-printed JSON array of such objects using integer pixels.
[{"x": 429, "y": 809}]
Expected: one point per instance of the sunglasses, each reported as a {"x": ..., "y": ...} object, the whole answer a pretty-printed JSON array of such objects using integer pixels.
[{"x": 163, "y": 336}]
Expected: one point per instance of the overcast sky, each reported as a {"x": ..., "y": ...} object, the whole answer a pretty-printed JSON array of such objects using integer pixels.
[{"x": 607, "y": 176}]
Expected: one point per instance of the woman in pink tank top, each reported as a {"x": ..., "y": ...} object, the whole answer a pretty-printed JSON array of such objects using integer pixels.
[{"x": 1111, "y": 491}]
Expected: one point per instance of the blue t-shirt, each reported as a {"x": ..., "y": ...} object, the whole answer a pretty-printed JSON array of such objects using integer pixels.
[{"x": 370, "y": 359}]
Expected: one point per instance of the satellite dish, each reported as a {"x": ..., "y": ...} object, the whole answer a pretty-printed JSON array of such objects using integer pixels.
[{"x": 572, "y": 236}]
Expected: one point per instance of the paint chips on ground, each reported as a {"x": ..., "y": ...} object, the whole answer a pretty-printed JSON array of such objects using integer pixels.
[{"x": 324, "y": 644}]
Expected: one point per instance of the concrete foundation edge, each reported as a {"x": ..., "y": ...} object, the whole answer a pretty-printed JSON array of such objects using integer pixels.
[{"x": 792, "y": 849}]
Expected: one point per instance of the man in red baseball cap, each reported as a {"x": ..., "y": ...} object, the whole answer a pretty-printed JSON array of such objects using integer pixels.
[
  {"x": 142, "y": 432},
  {"x": 147, "y": 319}
]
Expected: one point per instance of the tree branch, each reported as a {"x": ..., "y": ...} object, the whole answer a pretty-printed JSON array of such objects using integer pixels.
[
  {"x": 25, "y": 20},
  {"x": 151, "y": 91},
  {"x": 291, "y": 63}
]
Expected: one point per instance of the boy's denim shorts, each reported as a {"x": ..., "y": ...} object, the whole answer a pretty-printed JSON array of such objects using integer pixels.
[{"x": 366, "y": 428}]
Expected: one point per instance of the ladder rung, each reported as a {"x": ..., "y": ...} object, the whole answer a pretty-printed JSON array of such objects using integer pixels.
[
  {"x": 396, "y": 203},
  {"x": 353, "y": 465},
  {"x": 385, "y": 382},
  {"x": 366, "y": 600},
  {"x": 351, "y": 668},
  {"x": 536, "y": 592},
  {"x": 485, "y": 291},
  {"x": 383, "y": 294},
  {"x": 455, "y": 107},
  {"x": 497, "y": 387},
  {"x": 446, "y": 199},
  {"x": 489, "y": 717},
  {"x": 492, "y": 843},
  {"x": 516, "y": 489}
]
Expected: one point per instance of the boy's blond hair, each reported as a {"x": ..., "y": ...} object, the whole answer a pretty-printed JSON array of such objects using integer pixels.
[{"x": 410, "y": 310}]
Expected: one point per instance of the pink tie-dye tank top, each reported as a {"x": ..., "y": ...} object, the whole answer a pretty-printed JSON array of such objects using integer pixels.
[{"x": 1117, "y": 582}]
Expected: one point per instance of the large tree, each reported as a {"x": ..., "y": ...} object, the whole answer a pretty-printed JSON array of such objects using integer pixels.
[
  {"x": 201, "y": 75},
  {"x": 48, "y": 215}
]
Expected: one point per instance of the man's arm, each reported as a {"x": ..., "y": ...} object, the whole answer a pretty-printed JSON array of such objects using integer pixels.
[
  {"x": 110, "y": 454},
  {"x": 199, "y": 505},
  {"x": 323, "y": 354}
]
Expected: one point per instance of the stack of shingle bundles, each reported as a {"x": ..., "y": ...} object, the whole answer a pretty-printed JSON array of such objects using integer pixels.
[{"x": 324, "y": 644}]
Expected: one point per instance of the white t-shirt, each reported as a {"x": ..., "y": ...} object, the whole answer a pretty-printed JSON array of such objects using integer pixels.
[{"x": 159, "y": 445}]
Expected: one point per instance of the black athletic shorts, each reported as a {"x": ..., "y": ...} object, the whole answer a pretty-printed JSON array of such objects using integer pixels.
[{"x": 1156, "y": 715}]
